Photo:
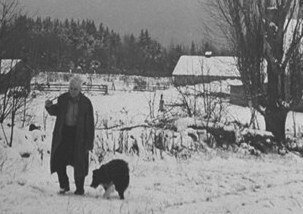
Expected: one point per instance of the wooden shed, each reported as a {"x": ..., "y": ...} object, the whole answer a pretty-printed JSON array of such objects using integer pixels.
[
  {"x": 13, "y": 73},
  {"x": 237, "y": 94}
]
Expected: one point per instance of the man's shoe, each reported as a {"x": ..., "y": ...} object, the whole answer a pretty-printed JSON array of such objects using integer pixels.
[
  {"x": 79, "y": 192},
  {"x": 63, "y": 190}
]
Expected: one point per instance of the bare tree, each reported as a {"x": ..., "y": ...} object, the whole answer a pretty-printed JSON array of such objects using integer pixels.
[
  {"x": 266, "y": 37},
  {"x": 13, "y": 97}
]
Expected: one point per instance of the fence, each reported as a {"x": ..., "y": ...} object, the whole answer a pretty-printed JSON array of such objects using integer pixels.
[{"x": 65, "y": 86}]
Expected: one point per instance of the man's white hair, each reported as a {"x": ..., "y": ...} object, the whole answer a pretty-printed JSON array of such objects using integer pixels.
[{"x": 76, "y": 81}]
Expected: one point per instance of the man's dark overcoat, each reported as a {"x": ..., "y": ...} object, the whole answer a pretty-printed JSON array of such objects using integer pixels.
[{"x": 84, "y": 134}]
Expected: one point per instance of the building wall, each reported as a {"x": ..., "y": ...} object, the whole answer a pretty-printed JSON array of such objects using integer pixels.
[{"x": 183, "y": 80}]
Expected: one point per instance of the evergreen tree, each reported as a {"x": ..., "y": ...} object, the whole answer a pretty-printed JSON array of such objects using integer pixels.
[{"x": 193, "y": 49}]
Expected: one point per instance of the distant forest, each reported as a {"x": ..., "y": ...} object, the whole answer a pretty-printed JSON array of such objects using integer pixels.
[{"x": 54, "y": 45}]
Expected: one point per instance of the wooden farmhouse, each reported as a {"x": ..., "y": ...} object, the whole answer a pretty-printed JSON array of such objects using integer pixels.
[{"x": 191, "y": 70}]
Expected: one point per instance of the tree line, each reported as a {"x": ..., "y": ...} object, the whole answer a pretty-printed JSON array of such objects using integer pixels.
[{"x": 80, "y": 45}]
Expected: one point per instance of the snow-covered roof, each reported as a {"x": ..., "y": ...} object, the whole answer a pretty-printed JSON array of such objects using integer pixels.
[
  {"x": 207, "y": 66},
  {"x": 7, "y": 65}
]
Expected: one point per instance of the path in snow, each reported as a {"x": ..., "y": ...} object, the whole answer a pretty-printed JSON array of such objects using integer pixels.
[{"x": 217, "y": 183}]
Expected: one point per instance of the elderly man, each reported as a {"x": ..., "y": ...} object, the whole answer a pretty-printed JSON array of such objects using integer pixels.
[{"x": 73, "y": 135}]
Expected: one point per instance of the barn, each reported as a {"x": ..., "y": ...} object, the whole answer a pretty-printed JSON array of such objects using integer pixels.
[
  {"x": 191, "y": 70},
  {"x": 13, "y": 73}
]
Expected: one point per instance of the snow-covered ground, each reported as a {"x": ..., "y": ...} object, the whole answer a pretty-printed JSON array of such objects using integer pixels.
[
  {"x": 212, "y": 181},
  {"x": 215, "y": 182}
]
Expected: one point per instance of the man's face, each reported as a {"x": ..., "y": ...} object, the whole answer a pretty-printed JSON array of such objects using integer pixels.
[{"x": 74, "y": 91}]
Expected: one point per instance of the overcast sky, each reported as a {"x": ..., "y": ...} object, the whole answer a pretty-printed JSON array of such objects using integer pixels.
[{"x": 177, "y": 21}]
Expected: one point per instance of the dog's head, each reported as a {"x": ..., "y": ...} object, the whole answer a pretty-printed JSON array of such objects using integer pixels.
[{"x": 100, "y": 177}]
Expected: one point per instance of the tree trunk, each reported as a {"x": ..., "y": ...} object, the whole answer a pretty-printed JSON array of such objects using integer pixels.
[{"x": 275, "y": 120}]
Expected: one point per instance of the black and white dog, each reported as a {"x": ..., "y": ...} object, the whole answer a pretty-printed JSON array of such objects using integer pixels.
[{"x": 112, "y": 175}]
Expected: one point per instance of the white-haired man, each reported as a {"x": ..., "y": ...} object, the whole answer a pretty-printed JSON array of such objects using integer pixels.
[{"x": 73, "y": 135}]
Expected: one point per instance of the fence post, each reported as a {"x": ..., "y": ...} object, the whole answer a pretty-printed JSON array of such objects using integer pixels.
[{"x": 106, "y": 89}]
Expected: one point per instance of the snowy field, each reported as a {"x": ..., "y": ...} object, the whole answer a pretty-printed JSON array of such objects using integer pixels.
[
  {"x": 207, "y": 183},
  {"x": 211, "y": 181}
]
